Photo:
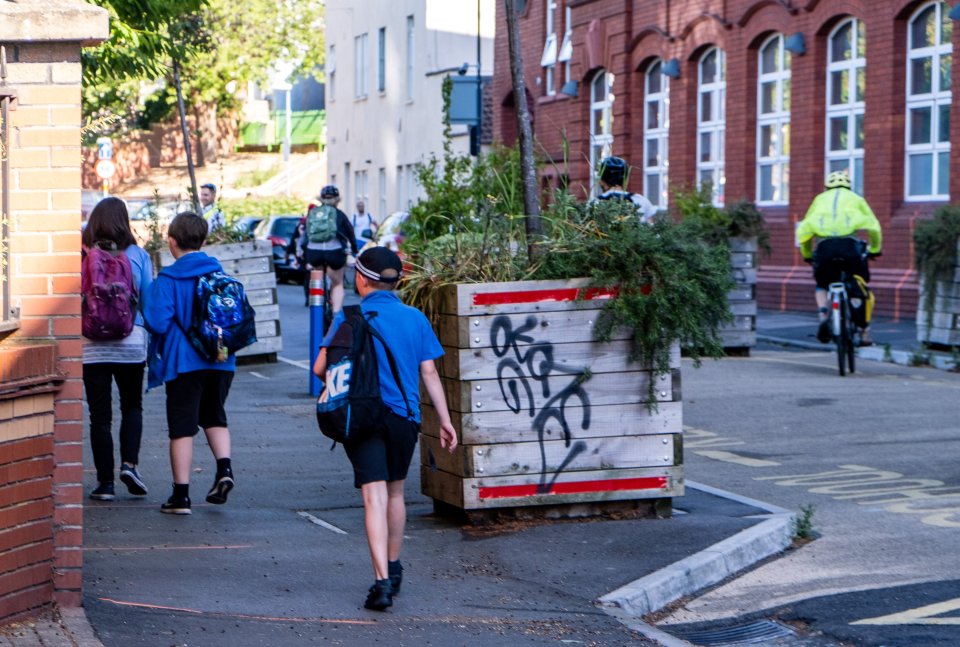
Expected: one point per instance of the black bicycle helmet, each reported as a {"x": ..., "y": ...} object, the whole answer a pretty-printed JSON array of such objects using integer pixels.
[
  {"x": 613, "y": 170},
  {"x": 329, "y": 191}
]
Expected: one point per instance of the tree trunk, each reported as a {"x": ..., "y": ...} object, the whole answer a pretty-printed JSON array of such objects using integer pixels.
[
  {"x": 208, "y": 132},
  {"x": 194, "y": 196},
  {"x": 531, "y": 197}
]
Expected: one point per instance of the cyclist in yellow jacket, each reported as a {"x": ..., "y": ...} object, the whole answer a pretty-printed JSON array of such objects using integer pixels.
[{"x": 834, "y": 218}]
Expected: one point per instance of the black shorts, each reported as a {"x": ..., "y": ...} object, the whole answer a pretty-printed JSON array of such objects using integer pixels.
[
  {"x": 386, "y": 457},
  {"x": 332, "y": 258},
  {"x": 195, "y": 400},
  {"x": 835, "y": 255}
]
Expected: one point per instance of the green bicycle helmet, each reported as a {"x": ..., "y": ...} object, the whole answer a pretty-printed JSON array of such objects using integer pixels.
[{"x": 838, "y": 179}]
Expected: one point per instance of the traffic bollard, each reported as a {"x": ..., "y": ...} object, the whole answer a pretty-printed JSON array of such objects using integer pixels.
[{"x": 317, "y": 296}]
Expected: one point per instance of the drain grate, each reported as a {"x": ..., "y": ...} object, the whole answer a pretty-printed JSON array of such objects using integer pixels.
[{"x": 746, "y": 634}]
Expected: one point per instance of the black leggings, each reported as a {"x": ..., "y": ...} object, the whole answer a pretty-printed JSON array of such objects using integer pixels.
[{"x": 98, "y": 384}]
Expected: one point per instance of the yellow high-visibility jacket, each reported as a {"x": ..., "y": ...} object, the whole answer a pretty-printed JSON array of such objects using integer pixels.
[{"x": 838, "y": 212}]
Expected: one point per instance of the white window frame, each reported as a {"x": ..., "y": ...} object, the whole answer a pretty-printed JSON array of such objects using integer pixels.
[
  {"x": 345, "y": 195},
  {"x": 401, "y": 205},
  {"x": 601, "y": 143},
  {"x": 566, "y": 47},
  {"x": 382, "y": 192},
  {"x": 713, "y": 129},
  {"x": 656, "y": 133},
  {"x": 360, "y": 189},
  {"x": 332, "y": 73},
  {"x": 849, "y": 158},
  {"x": 935, "y": 101},
  {"x": 548, "y": 61},
  {"x": 411, "y": 26},
  {"x": 382, "y": 60},
  {"x": 413, "y": 193},
  {"x": 778, "y": 120},
  {"x": 361, "y": 70}
]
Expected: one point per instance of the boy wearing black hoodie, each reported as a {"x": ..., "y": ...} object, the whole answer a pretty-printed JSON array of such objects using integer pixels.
[{"x": 196, "y": 387}]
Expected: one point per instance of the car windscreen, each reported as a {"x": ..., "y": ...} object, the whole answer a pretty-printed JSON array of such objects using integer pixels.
[{"x": 284, "y": 227}]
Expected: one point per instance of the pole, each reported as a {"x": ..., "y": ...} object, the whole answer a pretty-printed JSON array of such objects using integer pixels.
[
  {"x": 316, "y": 327},
  {"x": 287, "y": 139},
  {"x": 479, "y": 86},
  {"x": 186, "y": 133}
]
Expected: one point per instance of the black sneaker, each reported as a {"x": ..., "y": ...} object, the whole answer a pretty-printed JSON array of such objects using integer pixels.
[
  {"x": 396, "y": 576},
  {"x": 823, "y": 332},
  {"x": 176, "y": 505},
  {"x": 103, "y": 492},
  {"x": 380, "y": 596},
  {"x": 131, "y": 478},
  {"x": 221, "y": 488}
]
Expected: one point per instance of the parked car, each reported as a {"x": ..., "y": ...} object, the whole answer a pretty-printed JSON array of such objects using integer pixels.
[
  {"x": 247, "y": 225},
  {"x": 165, "y": 210},
  {"x": 278, "y": 230}
]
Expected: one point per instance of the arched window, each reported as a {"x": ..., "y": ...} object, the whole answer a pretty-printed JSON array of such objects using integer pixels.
[
  {"x": 773, "y": 123},
  {"x": 928, "y": 103},
  {"x": 656, "y": 129},
  {"x": 846, "y": 84},
  {"x": 711, "y": 121},
  {"x": 601, "y": 121}
]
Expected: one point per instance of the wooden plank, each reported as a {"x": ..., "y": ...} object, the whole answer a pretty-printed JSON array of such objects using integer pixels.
[
  {"x": 257, "y": 281},
  {"x": 267, "y": 312},
  {"x": 248, "y": 265},
  {"x": 741, "y": 244},
  {"x": 742, "y": 275},
  {"x": 483, "y": 363},
  {"x": 524, "y": 296},
  {"x": 262, "y": 297},
  {"x": 604, "y": 388},
  {"x": 740, "y": 323},
  {"x": 521, "y": 329},
  {"x": 268, "y": 328},
  {"x": 742, "y": 260},
  {"x": 738, "y": 339},
  {"x": 944, "y": 320},
  {"x": 569, "y": 487},
  {"x": 550, "y": 456},
  {"x": 506, "y": 426},
  {"x": 938, "y": 336},
  {"x": 743, "y": 308},
  {"x": 262, "y": 347},
  {"x": 228, "y": 252},
  {"x": 742, "y": 292}
]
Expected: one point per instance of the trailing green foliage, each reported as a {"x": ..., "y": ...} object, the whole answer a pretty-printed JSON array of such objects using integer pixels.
[
  {"x": 266, "y": 206},
  {"x": 935, "y": 248},
  {"x": 739, "y": 219}
]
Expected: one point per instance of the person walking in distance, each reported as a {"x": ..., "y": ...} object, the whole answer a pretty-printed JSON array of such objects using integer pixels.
[
  {"x": 196, "y": 387},
  {"x": 613, "y": 175},
  {"x": 120, "y": 359},
  {"x": 210, "y": 211},
  {"x": 363, "y": 225},
  {"x": 327, "y": 235},
  {"x": 381, "y": 461}
]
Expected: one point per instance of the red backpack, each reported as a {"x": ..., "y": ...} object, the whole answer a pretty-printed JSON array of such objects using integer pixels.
[{"x": 108, "y": 298}]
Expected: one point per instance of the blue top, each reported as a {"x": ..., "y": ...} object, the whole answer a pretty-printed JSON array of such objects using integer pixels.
[
  {"x": 411, "y": 340},
  {"x": 142, "y": 276},
  {"x": 171, "y": 297}
]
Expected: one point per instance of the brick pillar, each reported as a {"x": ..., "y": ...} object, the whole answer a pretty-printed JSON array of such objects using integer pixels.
[{"x": 41, "y": 428}]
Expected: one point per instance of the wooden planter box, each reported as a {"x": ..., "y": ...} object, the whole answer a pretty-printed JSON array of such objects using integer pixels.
[
  {"x": 545, "y": 415},
  {"x": 252, "y": 263},
  {"x": 943, "y": 327},
  {"x": 742, "y": 331}
]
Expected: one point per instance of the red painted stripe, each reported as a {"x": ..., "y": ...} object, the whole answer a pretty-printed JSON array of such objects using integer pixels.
[
  {"x": 538, "y": 296},
  {"x": 576, "y": 487},
  {"x": 316, "y": 292}
]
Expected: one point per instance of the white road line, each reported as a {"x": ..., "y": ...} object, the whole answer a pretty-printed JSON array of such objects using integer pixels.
[
  {"x": 730, "y": 457},
  {"x": 320, "y": 522},
  {"x": 919, "y": 616},
  {"x": 260, "y": 375},
  {"x": 305, "y": 365}
]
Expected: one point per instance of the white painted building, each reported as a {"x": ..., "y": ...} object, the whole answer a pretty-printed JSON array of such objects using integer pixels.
[{"x": 386, "y": 61}]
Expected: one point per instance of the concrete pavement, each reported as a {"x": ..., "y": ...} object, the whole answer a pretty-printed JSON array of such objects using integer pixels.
[{"x": 285, "y": 560}]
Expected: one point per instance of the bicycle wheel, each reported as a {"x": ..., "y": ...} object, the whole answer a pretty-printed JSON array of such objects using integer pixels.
[
  {"x": 841, "y": 339},
  {"x": 851, "y": 337},
  {"x": 327, "y": 305}
]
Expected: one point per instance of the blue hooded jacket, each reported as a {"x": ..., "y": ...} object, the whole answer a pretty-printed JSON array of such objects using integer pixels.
[{"x": 169, "y": 310}]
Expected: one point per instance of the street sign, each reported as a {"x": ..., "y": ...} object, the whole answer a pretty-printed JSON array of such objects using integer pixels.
[
  {"x": 104, "y": 148},
  {"x": 105, "y": 169}
]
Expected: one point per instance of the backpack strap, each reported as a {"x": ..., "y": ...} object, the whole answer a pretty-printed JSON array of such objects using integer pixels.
[{"x": 390, "y": 360}]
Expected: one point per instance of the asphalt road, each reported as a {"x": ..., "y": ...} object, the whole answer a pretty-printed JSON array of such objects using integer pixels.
[{"x": 874, "y": 454}]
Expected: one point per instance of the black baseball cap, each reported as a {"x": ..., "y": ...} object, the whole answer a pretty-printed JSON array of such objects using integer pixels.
[{"x": 380, "y": 264}]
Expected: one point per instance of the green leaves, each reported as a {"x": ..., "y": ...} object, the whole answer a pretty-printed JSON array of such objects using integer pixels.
[{"x": 935, "y": 247}]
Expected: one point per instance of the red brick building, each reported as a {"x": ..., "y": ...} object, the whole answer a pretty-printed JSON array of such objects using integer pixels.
[{"x": 763, "y": 98}]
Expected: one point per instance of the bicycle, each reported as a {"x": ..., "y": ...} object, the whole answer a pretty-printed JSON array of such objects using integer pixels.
[{"x": 843, "y": 329}]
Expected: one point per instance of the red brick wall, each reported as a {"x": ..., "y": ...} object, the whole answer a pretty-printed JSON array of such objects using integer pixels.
[
  {"x": 624, "y": 37},
  {"x": 41, "y": 424}
]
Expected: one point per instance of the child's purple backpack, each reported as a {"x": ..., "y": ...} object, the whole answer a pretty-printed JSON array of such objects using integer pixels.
[{"x": 108, "y": 298}]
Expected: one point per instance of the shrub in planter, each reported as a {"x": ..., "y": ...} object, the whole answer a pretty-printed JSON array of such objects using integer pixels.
[{"x": 935, "y": 248}]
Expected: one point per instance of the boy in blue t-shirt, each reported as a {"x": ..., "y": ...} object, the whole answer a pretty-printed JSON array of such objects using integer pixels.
[
  {"x": 196, "y": 387},
  {"x": 380, "y": 463}
]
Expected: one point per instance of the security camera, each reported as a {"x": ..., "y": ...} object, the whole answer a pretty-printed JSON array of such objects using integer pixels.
[{"x": 463, "y": 69}]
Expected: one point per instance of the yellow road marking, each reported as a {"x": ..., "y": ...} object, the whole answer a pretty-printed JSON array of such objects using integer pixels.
[
  {"x": 730, "y": 457},
  {"x": 919, "y": 616}
]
